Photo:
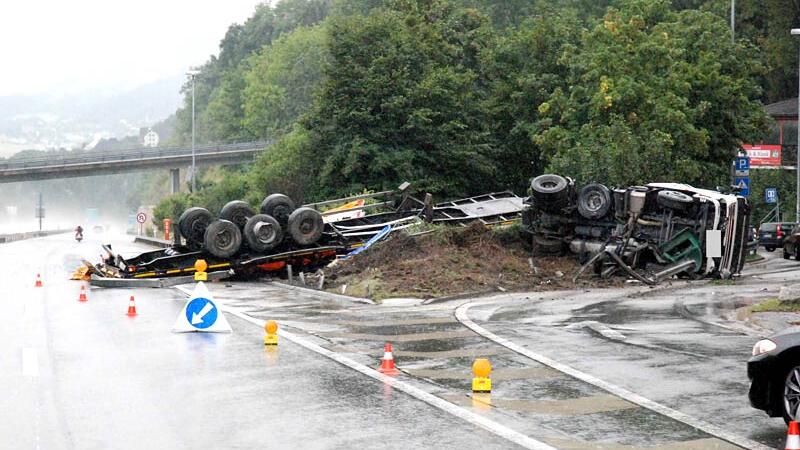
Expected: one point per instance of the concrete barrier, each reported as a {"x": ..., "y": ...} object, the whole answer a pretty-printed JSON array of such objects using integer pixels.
[{"x": 12, "y": 237}]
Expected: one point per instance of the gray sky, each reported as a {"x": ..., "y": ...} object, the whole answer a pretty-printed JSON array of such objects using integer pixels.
[{"x": 52, "y": 46}]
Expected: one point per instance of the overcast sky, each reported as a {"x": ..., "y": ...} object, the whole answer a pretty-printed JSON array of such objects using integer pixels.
[{"x": 52, "y": 46}]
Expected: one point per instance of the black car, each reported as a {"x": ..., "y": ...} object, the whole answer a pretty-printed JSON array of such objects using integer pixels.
[
  {"x": 772, "y": 234},
  {"x": 774, "y": 372}
]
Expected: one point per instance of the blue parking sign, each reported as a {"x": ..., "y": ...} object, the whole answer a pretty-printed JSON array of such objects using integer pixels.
[
  {"x": 742, "y": 163},
  {"x": 771, "y": 195}
]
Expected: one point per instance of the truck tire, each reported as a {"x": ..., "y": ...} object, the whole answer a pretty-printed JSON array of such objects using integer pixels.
[
  {"x": 192, "y": 225},
  {"x": 675, "y": 200},
  {"x": 262, "y": 233},
  {"x": 223, "y": 238},
  {"x": 551, "y": 192},
  {"x": 594, "y": 201},
  {"x": 547, "y": 247},
  {"x": 237, "y": 212},
  {"x": 278, "y": 206},
  {"x": 305, "y": 226}
]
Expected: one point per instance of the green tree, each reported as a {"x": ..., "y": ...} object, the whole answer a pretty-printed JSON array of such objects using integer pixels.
[
  {"x": 282, "y": 79},
  {"x": 405, "y": 106},
  {"x": 522, "y": 70},
  {"x": 654, "y": 95}
]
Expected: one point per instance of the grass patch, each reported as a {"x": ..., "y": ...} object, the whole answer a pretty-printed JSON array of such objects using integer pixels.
[
  {"x": 775, "y": 305},
  {"x": 753, "y": 258}
]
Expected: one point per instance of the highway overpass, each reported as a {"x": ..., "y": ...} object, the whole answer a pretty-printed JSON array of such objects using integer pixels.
[{"x": 103, "y": 163}]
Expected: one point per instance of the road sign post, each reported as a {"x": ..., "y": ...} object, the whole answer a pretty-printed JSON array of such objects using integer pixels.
[
  {"x": 741, "y": 175},
  {"x": 141, "y": 218}
]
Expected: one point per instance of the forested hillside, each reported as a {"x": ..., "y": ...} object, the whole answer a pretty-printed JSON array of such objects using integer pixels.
[{"x": 466, "y": 96}]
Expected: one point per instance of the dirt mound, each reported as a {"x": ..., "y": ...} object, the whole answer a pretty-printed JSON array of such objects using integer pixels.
[{"x": 447, "y": 261}]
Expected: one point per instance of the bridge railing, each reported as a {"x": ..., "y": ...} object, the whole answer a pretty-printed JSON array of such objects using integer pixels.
[{"x": 123, "y": 155}]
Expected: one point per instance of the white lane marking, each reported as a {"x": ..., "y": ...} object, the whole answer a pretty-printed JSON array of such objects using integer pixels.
[
  {"x": 462, "y": 316},
  {"x": 466, "y": 415},
  {"x": 30, "y": 362}
]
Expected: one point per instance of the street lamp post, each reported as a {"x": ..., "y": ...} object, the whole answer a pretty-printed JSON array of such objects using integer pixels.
[
  {"x": 796, "y": 32},
  {"x": 192, "y": 74},
  {"x": 733, "y": 20}
]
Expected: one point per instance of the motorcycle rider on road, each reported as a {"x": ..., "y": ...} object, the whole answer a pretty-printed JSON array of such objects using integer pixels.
[{"x": 78, "y": 232}]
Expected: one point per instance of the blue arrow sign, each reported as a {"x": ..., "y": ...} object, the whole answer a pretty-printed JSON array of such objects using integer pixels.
[
  {"x": 743, "y": 184},
  {"x": 771, "y": 195},
  {"x": 201, "y": 312}
]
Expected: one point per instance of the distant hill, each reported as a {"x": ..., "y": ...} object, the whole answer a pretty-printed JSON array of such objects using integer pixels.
[{"x": 71, "y": 121}]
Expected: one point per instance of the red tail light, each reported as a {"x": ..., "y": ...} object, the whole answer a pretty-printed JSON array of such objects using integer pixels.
[{"x": 780, "y": 232}]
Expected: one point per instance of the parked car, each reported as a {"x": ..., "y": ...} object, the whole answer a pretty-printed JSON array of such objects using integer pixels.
[
  {"x": 772, "y": 234},
  {"x": 791, "y": 244},
  {"x": 774, "y": 372}
]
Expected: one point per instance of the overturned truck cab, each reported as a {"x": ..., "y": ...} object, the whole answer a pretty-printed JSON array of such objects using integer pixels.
[{"x": 649, "y": 232}]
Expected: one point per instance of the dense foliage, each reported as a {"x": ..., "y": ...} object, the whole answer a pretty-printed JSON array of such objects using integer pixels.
[{"x": 466, "y": 96}]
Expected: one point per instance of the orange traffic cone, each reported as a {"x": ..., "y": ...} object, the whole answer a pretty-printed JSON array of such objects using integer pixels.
[
  {"x": 387, "y": 363},
  {"x": 82, "y": 296},
  {"x": 793, "y": 436},
  {"x": 131, "y": 307},
  {"x": 38, "y": 281}
]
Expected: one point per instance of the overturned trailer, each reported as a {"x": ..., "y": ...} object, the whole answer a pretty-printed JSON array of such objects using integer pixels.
[
  {"x": 242, "y": 242},
  {"x": 649, "y": 232}
]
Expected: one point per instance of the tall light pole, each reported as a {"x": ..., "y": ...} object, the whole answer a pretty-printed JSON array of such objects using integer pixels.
[
  {"x": 796, "y": 32},
  {"x": 733, "y": 20},
  {"x": 192, "y": 74}
]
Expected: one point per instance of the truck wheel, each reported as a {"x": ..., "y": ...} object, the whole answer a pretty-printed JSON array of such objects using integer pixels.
[
  {"x": 263, "y": 233},
  {"x": 594, "y": 201},
  {"x": 675, "y": 200},
  {"x": 550, "y": 192},
  {"x": 237, "y": 212},
  {"x": 786, "y": 254},
  {"x": 223, "y": 238},
  {"x": 278, "y": 206},
  {"x": 192, "y": 225},
  {"x": 547, "y": 247},
  {"x": 306, "y": 225}
]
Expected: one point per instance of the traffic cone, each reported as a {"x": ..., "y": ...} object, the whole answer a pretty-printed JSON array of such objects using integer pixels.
[
  {"x": 82, "y": 296},
  {"x": 793, "y": 436},
  {"x": 387, "y": 363},
  {"x": 131, "y": 307},
  {"x": 38, "y": 281}
]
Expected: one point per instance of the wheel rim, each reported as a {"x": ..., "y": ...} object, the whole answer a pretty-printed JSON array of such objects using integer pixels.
[
  {"x": 264, "y": 232},
  {"x": 307, "y": 226},
  {"x": 224, "y": 239},
  {"x": 791, "y": 393},
  {"x": 594, "y": 202}
]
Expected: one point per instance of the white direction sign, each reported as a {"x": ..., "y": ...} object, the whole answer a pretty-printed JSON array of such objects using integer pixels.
[{"x": 201, "y": 313}]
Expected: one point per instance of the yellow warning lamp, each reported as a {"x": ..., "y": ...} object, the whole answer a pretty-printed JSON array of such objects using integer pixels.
[
  {"x": 481, "y": 368},
  {"x": 200, "y": 267},
  {"x": 271, "y": 338}
]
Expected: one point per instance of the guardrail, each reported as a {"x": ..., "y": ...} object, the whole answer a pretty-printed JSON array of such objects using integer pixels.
[
  {"x": 125, "y": 155},
  {"x": 12, "y": 237}
]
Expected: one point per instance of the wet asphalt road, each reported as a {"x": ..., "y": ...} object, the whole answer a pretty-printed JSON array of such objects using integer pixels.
[
  {"x": 103, "y": 379},
  {"x": 84, "y": 375}
]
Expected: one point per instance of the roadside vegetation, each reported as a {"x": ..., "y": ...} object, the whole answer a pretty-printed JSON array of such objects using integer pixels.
[
  {"x": 466, "y": 96},
  {"x": 775, "y": 305}
]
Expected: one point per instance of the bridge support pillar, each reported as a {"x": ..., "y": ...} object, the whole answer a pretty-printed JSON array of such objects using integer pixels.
[{"x": 175, "y": 178}]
